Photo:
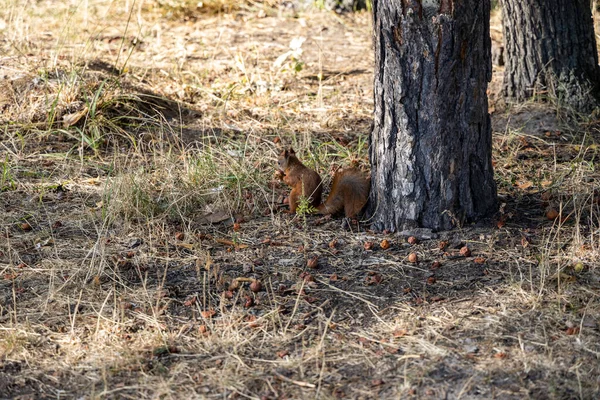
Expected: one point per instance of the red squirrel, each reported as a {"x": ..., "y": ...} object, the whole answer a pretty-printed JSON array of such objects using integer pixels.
[
  {"x": 349, "y": 193},
  {"x": 303, "y": 180}
]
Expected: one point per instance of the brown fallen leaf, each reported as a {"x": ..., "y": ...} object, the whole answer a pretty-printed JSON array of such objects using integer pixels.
[
  {"x": 253, "y": 322},
  {"x": 363, "y": 340},
  {"x": 573, "y": 330},
  {"x": 282, "y": 353},
  {"x": 374, "y": 279},
  {"x": 524, "y": 141},
  {"x": 546, "y": 196},
  {"x": 465, "y": 251},
  {"x": 307, "y": 277},
  {"x": 256, "y": 286},
  {"x": 189, "y": 301},
  {"x": 73, "y": 118},
  {"x": 399, "y": 333},
  {"x": 313, "y": 262},
  {"x": 524, "y": 185},
  {"x": 217, "y": 216},
  {"x": 92, "y": 181},
  {"x": 552, "y": 214}
]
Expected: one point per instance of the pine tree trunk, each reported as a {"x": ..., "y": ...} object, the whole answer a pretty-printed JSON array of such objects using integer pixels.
[
  {"x": 550, "y": 47},
  {"x": 431, "y": 141}
]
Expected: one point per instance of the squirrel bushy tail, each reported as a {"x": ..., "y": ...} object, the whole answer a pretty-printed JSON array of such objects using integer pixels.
[{"x": 349, "y": 193}]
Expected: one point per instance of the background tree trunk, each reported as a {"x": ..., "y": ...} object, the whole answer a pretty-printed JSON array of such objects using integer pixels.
[
  {"x": 431, "y": 141},
  {"x": 550, "y": 45}
]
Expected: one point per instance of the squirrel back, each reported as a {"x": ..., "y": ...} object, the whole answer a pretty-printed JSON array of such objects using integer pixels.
[
  {"x": 349, "y": 192},
  {"x": 303, "y": 180}
]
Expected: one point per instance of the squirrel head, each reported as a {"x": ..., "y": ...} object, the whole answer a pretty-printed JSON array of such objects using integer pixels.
[{"x": 284, "y": 158}]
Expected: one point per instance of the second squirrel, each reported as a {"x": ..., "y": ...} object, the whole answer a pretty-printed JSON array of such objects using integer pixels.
[{"x": 349, "y": 193}]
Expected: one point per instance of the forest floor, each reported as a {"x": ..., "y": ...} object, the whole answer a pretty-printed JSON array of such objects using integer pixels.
[{"x": 144, "y": 252}]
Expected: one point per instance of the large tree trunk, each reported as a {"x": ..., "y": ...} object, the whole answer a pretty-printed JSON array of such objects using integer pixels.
[
  {"x": 550, "y": 46},
  {"x": 431, "y": 141}
]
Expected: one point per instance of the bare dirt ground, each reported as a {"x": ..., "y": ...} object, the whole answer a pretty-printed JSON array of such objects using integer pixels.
[{"x": 144, "y": 254}]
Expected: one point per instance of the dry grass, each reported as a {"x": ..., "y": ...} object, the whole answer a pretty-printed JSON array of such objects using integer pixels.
[{"x": 132, "y": 141}]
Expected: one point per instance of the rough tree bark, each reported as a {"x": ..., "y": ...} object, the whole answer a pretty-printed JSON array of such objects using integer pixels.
[
  {"x": 431, "y": 141},
  {"x": 550, "y": 46}
]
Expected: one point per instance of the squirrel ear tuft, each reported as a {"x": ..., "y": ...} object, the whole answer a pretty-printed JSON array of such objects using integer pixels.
[{"x": 292, "y": 151}]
